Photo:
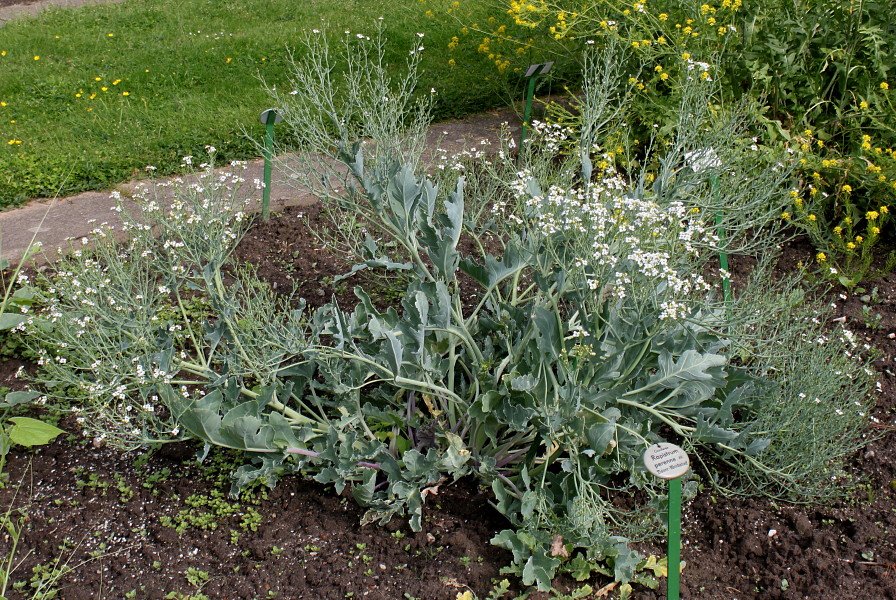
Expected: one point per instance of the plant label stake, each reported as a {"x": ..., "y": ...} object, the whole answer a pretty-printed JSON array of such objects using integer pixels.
[
  {"x": 268, "y": 118},
  {"x": 669, "y": 462},
  {"x": 531, "y": 74}
]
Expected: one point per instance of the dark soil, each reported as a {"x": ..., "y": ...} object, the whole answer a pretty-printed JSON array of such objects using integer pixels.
[{"x": 103, "y": 514}]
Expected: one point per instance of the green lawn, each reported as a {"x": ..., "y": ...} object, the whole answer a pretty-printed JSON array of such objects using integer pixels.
[{"x": 91, "y": 96}]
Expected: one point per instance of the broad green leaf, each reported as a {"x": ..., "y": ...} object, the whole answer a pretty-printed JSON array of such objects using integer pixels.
[
  {"x": 523, "y": 383},
  {"x": 363, "y": 492},
  {"x": 600, "y": 435},
  {"x": 10, "y": 320},
  {"x": 32, "y": 432},
  {"x": 711, "y": 434},
  {"x": 694, "y": 377},
  {"x": 13, "y": 398},
  {"x": 510, "y": 540},
  {"x": 540, "y": 569}
]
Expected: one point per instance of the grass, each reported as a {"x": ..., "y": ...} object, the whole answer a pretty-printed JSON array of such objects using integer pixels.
[{"x": 89, "y": 97}]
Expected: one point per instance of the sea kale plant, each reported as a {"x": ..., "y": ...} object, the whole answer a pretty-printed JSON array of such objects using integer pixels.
[{"x": 551, "y": 330}]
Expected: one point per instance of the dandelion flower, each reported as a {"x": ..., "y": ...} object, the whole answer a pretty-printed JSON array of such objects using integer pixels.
[{"x": 36, "y": 57}]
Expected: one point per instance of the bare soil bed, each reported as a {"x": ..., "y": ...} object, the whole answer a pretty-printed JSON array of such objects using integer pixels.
[{"x": 162, "y": 526}]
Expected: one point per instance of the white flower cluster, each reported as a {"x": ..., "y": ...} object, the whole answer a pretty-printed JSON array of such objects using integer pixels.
[{"x": 622, "y": 241}]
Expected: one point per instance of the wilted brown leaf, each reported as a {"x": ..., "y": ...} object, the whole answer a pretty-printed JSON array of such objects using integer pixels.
[{"x": 557, "y": 547}]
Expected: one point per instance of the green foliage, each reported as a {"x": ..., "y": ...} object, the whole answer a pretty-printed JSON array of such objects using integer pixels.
[
  {"x": 585, "y": 325},
  {"x": 24, "y": 431},
  {"x": 815, "y": 71}
]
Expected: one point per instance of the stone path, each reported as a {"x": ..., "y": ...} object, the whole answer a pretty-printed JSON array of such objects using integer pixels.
[{"x": 55, "y": 223}]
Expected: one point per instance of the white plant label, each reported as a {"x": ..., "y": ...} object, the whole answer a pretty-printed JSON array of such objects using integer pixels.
[{"x": 666, "y": 461}]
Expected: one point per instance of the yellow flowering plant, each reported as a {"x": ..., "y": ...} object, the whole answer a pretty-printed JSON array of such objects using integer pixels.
[{"x": 843, "y": 206}]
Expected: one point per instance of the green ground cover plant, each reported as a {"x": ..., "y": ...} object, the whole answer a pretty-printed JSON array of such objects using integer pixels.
[
  {"x": 540, "y": 346},
  {"x": 91, "y": 97},
  {"x": 817, "y": 74}
]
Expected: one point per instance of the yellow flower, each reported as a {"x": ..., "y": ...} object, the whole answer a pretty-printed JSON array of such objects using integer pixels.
[
  {"x": 871, "y": 215},
  {"x": 661, "y": 40},
  {"x": 863, "y": 105},
  {"x": 228, "y": 60},
  {"x": 821, "y": 257},
  {"x": 850, "y": 246},
  {"x": 663, "y": 16},
  {"x": 686, "y": 56},
  {"x": 111, "y": 35},
  {"x": 2, "y": 52},
  {"x": 451, "y": 62},
  {"x": 664, "y": 76},
  {"x": 721, "y": 31},
  {"x": 807, "y": 132},
  {"x": 125, "y": 93},
  {"x": 884, "y": 86},
  {"x": 794, "y": 193},
  {"x": 2, "y": 103},
  {"x": 838, "y": 231},
  {"x": 14, "y": 142},
  {"x": 859, "y": 239},
  {"x": 116, "y": 82},
  {"x": 813, "y": 218},
  {"x": 105, "y": 89},
  {"x": 37, "y": 58},
  {"x": 846, "y": 188},
  {"x": 785, "y": 216},
  {"x": 97, "y": 78},
  {"x": 883, "y": 210},
  {"x": 875, "y": 230}
]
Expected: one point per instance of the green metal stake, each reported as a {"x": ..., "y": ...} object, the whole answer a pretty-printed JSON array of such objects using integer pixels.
[
  {"x": 669, "y": 462},
  {"x": 673, "y": 580},
  {"x": 268, "y": 118},
  {"x": 532, "y": 73}
]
